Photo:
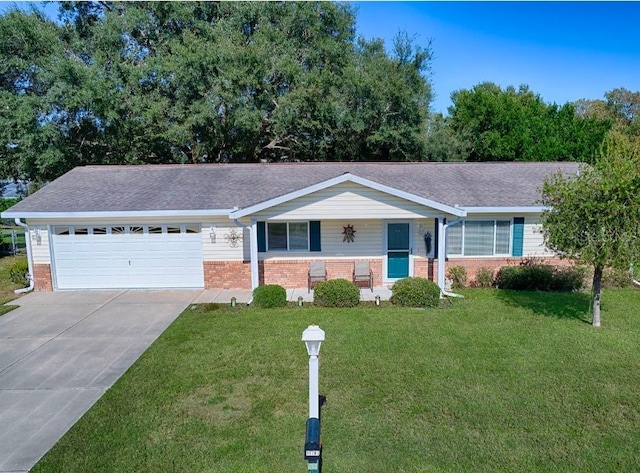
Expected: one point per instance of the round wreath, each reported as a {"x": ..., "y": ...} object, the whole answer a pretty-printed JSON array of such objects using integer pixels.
[{"x": 348, "y": 234}]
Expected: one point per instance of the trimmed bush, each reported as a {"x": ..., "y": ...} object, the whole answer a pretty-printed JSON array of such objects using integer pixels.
[
  {"x": 18, "y": 272},
  {"x": 336, "y": 293},
  {"x": 540, "y": 277},
  {"x": 484, "y": 277},
  {"x": 571, "y": 278},
  {"x": 415, "y": 292},
  {"x": 270, "y": 295},
  {"x": 525, "y": 278},
  {"x": 458, "y": 274},
  {"x": 615, "y": 278}
]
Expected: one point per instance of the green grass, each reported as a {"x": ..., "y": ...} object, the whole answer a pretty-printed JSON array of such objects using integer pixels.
[
  {"x": 6, "y": 285},
  {"x": 499, "y": 381}
]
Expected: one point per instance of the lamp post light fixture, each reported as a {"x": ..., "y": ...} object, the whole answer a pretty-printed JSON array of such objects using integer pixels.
[
  {"x": 313, "y": 337},
  {"x": 378, "y": 300},
  {"x": 300, "y": 301},
  {"x": 233, "y": 301}
]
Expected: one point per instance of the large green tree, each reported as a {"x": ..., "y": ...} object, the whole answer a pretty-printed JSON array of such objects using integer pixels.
[
  {"x": 620, "y": 106},
  {"x": 192, "y": 82},
  {"x": 594, "y": 217},
  {"x": 517, "y": 125}
]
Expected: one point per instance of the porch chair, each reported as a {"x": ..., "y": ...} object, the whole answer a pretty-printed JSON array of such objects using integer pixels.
[
  {"x": 363, "y": 275},
  {"x": 317, "y": 273}
]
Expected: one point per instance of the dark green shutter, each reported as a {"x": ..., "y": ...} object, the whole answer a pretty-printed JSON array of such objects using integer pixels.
[
  {"x": 435, "y": 239},
  {"x": 518, "y": 236},
  {"x": 314, "y": 236},
  {"x": 262, "y": 237}
]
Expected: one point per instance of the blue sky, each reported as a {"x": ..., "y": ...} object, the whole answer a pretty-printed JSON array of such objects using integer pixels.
[{"x": 564, "y": 51}]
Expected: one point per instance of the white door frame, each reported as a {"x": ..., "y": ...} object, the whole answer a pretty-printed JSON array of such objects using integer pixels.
[{"x": 385, "y": 251}]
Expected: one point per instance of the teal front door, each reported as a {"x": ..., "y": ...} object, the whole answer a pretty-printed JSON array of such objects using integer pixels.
[{"x": 398, "y": 249}]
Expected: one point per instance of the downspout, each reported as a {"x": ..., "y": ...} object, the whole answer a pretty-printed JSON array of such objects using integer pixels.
[
  {"x": 443, "y": 243},
  {"x": 27, "y": 239},
  {"x": 633, "y": 280},
  {"x": 253, "y": 255}
]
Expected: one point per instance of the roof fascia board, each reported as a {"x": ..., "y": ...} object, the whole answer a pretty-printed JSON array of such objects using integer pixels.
[
  {"x": 348, "y": 177},
  {"x": 505, "y": 210},
  {"x": 118, "y": 214}
]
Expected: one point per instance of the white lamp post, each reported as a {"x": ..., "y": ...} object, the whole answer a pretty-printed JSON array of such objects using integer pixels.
[{"x": 313, "y": 337}]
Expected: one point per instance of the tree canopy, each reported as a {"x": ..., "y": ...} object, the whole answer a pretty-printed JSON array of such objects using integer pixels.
[
  {"x": 517, "y": 125},
  {"x": 594, "y": 217},
  {"x": 179, "y": 82}
]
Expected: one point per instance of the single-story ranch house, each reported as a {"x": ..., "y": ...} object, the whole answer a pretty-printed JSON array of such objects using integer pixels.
[{"x": 239, "y": 226}]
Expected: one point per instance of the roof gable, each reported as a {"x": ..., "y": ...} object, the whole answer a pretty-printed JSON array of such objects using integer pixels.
[{"x": 348, "y": 177}]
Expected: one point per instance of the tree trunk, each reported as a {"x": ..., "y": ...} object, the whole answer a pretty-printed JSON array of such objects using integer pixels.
[{"x": 597, "y": 289}]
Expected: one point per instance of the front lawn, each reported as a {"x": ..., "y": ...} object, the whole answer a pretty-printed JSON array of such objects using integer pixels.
[
  {"x": 499, "y": 381},
  {"x": 6, "y": 285}
]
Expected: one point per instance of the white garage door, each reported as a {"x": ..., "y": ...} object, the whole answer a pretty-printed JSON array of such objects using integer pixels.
[{"x": 128, "y": 256}]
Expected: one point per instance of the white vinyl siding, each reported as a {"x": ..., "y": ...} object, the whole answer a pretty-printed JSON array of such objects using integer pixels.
[
  {"x": 533, "y": 244},
  {"x": 350, "y": 201},
  {"x": 420, "y": 228},
  {"x": 40, "y": 244},
  {"x": 215, "y": 247},
  {"x": 479, "y": 238}
]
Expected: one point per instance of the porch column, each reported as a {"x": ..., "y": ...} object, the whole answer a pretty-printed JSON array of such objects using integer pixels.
[
  {"x": 442, "y": 252},
  {"x": 253, "y": 254}
]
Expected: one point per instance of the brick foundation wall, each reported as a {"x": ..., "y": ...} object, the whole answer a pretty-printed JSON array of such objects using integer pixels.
[
  {"x": 42, "y": 278},
  {"x": 426, "y": 268},
  {"x": 294, "y": 273},
  {"x": 227, "y": 275}
]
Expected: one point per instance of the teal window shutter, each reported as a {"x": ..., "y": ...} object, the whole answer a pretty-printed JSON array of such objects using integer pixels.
[
  {"x": 518, "y": 236},
  {"x": 262, "y": 238},
  {"x": 314, "y": 236}
]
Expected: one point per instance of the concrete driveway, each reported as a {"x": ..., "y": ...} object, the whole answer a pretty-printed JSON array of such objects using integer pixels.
[{"x": 60, "y": 351}]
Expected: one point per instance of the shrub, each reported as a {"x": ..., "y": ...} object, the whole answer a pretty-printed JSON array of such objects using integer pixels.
[
  {"x": 525, "y": 278},
  {"x": 568, "y": 279},
  {"x": 336, "y": 293},
  {"x": 18, "y": 272},
  {"x": 458, "y": 274},
  {"x": 541, "y": 277},
  {"x": 415, "y": 292},
  {"x": 484, "y": 277},
  {"x": 270, "y": 295},
  {"x": 613, "y": 278}
]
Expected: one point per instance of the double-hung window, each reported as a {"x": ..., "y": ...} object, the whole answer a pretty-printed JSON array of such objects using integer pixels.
[
  {"x": 479, "y": 238},
  {"x": 288, "y": 236}
]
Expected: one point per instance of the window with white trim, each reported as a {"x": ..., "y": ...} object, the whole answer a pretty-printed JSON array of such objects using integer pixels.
[
  {"x": 479, "y": 238},
  {"x": 287, "y": 236}
]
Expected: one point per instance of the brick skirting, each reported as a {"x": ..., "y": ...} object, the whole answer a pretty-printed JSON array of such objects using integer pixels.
[
  {"x": 293, "y": 274},
  {"x": 42, "y": 278},
  {"x": 227, "y": 275}
]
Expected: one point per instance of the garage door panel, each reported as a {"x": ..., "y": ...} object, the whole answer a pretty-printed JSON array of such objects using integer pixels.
[{"x": 115, "y": 261}]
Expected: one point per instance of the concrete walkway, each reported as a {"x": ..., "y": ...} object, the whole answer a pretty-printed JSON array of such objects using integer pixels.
[
  {"x": 223, "y": 296},
  {"x": 59, "y": 353}
]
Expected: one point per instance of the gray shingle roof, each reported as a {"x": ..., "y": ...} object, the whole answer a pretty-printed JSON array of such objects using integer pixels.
[{"x": 225, "y": 186}]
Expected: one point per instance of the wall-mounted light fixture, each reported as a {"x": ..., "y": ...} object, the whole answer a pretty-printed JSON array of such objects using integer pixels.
[
  {"x": 37, "y": 236},
  {"x": 212, "y": 233}
]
